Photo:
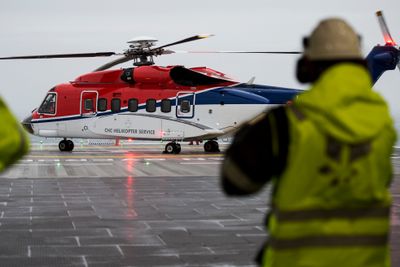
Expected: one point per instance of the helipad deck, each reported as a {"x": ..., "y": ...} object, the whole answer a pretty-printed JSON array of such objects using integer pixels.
[{"x": 131, "y": 206}]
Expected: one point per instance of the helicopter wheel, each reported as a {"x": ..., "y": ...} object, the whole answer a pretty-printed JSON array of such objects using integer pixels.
[
  {"x": 211, "y": 146},
  {"x": 66, "y": 145},
  {"x": 172, "y": 148},
  {"x": 63, "y": 145}
]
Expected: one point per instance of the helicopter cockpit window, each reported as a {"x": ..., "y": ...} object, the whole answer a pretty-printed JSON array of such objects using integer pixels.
[
  {"x": 185, "y": 106},
  {"x": 133, "y": 105},
  {"x": 89, "y": 105},
  {"x": 151, "y": 105},
  {"x": 165, "y": 105},
  {"x": 48, "y": 105},
  {"x": 115, "y": 105},
  {"x": 102, "y": 104}
]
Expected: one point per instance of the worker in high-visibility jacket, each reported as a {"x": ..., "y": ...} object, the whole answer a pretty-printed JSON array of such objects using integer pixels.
[
  {"x": 328, "y": 158},
  {"x": 14, "y": 142}
]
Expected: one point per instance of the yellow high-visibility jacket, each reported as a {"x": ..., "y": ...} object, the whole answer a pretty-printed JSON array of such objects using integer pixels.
[
  {"x": 331, "y": 204},
  {"x": 14, "y": 142}
]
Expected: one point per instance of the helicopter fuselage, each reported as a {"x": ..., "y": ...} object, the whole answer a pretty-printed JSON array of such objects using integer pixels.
[{"x": 152, "y": 103}]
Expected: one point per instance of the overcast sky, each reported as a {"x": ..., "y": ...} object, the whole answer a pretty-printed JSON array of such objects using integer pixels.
[{"x": 48, "y": 26}]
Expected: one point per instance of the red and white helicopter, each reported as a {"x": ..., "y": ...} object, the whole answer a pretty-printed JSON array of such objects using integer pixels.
[{"x": 172, "y": 103}]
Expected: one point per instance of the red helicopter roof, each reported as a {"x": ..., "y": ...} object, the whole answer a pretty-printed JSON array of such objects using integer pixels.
[{"x": 156, "y": 75}]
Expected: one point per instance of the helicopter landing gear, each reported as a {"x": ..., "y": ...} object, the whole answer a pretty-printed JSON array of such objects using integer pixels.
[
  {"x": 66, "y": 145},
  {"x": 172, "y": 148},
  {"x": 211, "y": 146}
]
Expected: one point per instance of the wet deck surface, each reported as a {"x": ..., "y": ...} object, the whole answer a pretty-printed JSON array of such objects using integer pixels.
[{"x": 131, "y": 206}]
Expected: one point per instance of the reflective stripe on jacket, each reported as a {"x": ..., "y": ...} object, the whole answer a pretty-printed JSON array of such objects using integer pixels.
[
  {"x": 331, "y": 203},
  {"x": 13, "y": 141}
]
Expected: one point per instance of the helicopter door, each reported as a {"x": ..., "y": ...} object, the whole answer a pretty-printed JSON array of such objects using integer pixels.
[
  {"x": 89, "y": 103},
  {"x": 185, "y": 103}
]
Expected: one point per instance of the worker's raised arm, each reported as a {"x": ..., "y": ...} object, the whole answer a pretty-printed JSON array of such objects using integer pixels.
[{"x": 257, "y": 154}]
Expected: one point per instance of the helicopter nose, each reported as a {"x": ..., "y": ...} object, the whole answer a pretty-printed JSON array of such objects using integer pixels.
[{"x": 26, "y": 123}]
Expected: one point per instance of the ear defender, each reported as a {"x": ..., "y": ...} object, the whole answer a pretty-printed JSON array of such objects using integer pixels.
[
  {"x": 305, "y": 70},
  {"x": 304, "y": 67}
]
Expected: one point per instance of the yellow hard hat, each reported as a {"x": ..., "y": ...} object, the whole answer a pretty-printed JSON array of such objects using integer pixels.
[{"x": 332, "y": 39}]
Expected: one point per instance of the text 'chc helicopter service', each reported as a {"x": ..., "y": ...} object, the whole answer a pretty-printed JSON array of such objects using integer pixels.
[{"x": 173, "y": 103}]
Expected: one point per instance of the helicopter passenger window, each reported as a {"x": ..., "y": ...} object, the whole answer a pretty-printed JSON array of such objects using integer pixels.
[
  {"x": 48, "y": 105},
  {"x": 185, "y": 106},
  {"x": 133, "y": 105},
  {"x": 115, "y": 105},
  {"x": 151, "y": 105},
  {"x": 102, "y": 104},
  {"x": 89, "y": 105},
  {"x": 165, "y": 105}
]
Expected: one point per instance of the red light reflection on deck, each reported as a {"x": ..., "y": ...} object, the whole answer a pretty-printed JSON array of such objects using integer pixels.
[
  {"x": 130, "y": 155},
  {"x": 129, "y": 162},
  {"x": 129, "y": 181},
  {"x": 130, "y": 197}
]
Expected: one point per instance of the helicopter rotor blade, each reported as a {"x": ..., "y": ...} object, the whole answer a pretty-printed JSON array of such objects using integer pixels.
[
  {"x": 168, "y": 52},
  {"x": 241, "y": 52},
  {"x": 75, "y": 55},
  {"x": 385, "y": 29},
  {"x": 189, "y": 39},
  {"x": 114, "y": 62},
  {"x": 389, "y": 41}
]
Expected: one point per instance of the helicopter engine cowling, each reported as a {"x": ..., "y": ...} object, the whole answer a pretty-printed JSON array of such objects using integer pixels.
[{"x": 151, "y": 75}]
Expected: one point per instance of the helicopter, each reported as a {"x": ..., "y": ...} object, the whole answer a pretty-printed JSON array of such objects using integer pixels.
[{"x": 164, "y": 103}]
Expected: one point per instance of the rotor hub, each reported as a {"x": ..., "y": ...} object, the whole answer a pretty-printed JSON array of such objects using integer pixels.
[{"x": 140, "y": 49}]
